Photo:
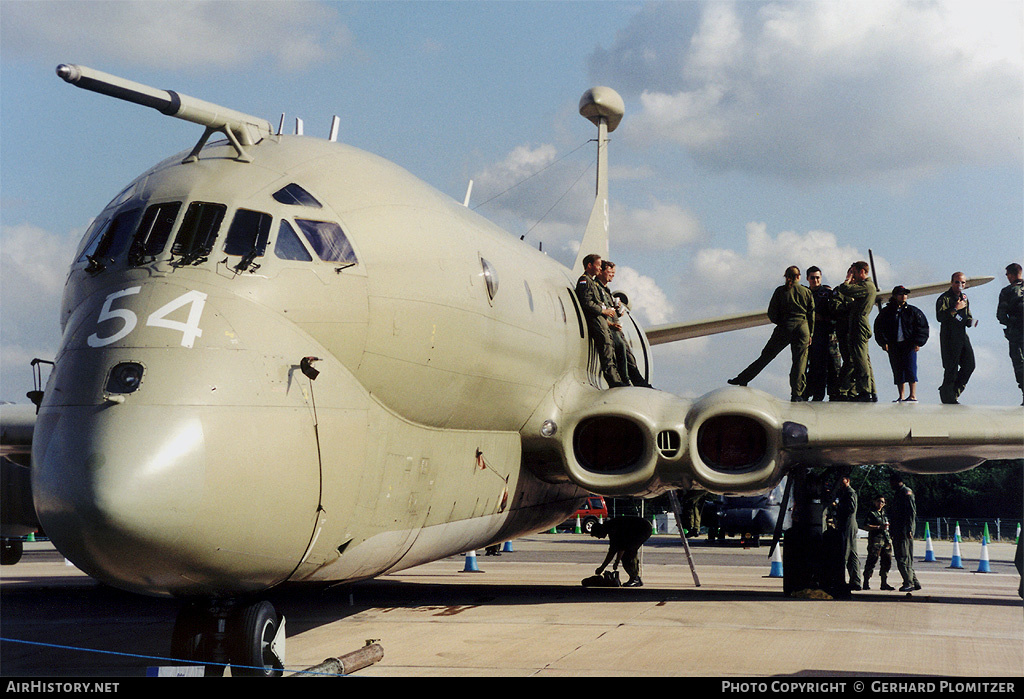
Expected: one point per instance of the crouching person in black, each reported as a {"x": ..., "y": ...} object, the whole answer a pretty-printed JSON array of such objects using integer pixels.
[{"x": 625, "y": 537}]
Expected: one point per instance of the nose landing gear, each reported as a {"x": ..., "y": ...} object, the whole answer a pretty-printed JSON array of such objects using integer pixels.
[{"x": 250, "y": 638}]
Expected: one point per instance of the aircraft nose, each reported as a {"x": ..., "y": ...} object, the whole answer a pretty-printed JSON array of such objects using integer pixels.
[
  {"x": 173, "y": 470},
  {"x": 118, "y": 492}
]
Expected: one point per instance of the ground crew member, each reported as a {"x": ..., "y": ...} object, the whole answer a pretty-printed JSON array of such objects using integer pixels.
[
  {"x": 954, "y": 313},
  {"x": 857, "y": 296},
  {"x": 792, "y": 310},
  {"x": 903, "y": 522},
  {"x": 625, "y": 537},
  {"x": 846, "y": 523},
  {"x": 879, "y": 544},
  {"x": 1010, "y": 313},
  {"x": 598, "y": 315}
]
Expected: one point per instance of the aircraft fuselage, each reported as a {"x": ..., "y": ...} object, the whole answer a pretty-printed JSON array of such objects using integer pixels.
[{"x": 182, "y": 450}]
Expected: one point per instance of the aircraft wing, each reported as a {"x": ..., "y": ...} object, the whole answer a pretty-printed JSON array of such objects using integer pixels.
[
  {"x": 17, "y": 513},
  {"x": 740, "y": 440},
  {"x": 672, "y": 332}
]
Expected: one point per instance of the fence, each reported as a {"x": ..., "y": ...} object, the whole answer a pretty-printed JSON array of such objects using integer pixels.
[{"x": 970, "y": 529}]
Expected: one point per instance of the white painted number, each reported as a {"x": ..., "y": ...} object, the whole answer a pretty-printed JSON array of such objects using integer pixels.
[
  {"x": 189, "y": 329},
  {"x": 106, "y": 313}
]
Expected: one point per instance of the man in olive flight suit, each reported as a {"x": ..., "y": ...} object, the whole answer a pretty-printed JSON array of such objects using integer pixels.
[
  {"x": 846, "y": 523},
  {"x": 625, "y": 362},
  {"x": 903, "y": 520},
  {"x": 857, "y": 296},
  {"x": 598, "y": 316},
  {"x": 879, "y": 545},
  {"x": 1010, "y": 314},
  {"x": 954, "y": 313},
  {"x": 792, "y": 310}
]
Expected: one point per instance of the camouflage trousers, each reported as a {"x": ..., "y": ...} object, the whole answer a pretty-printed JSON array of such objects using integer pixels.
[{"x": 878, "y": 550}]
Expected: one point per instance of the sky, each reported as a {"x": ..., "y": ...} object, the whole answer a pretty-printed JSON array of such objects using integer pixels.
[{"x": 757, "y": 135}]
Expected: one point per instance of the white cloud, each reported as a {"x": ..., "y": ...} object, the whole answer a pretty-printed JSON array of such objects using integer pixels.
[
  {"x": 33, "y": 267},
  {"x": 660, "y": 227},
  {"x": 826, "y": 89},
  {"x": 177, "y": 33},
  {"x": 647, "y": 302},
  {"x": 743, "y": 281}
]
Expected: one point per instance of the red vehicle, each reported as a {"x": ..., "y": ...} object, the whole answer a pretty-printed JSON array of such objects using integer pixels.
[{"x": 593, "y": 511}]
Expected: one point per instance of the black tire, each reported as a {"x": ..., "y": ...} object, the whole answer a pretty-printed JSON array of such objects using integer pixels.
[
  {"x": 588, "y": 524},
  {"x": 11, "y": 552},
  {"x": 253, "y": 628}
]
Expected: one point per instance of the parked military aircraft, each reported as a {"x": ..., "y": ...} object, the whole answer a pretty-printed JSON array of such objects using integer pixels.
[{"x": 288, "y": 360}]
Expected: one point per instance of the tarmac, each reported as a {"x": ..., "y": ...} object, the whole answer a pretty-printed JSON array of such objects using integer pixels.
[{"x": 525, "y": 614}]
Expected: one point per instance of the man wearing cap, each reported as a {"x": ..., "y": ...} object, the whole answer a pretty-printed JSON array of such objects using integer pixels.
[
  {"x": 954, "y": 313},
  {"x": 792, "y": 310},
  {"x": 1010, "y": 313},
  {"x": 901, "y": 330}
]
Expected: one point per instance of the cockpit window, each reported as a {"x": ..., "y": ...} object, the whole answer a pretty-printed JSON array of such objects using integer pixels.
[
  {"x": 295, "y": 195},
  {"x": 248, "y": 236},
  {"x": 327, "y": 240},
  {"x": 288, "y": 246},
  {"x": 150, "y": 239},
  {"x": 198, "y": 232},
  {"x": 109, "y": 240}
]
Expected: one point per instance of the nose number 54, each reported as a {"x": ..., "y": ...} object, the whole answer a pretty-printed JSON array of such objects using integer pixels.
[{"x": 189, "y": 328}]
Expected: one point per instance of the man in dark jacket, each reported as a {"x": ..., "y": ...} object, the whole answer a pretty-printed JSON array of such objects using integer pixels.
[
  {"x": 625, "y": 537},
  {"x": 1010, "y": 314},
  {"x": 901, "y": 330}
]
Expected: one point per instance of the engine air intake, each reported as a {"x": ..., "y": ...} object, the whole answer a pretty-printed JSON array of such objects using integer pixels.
[
  {"x": 732, "y": 442},
  {"x": 669, "y": 442},
  {"x": 608, "y": 444}
]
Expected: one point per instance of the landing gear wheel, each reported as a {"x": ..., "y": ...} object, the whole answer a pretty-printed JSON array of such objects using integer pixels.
[{"x": 257, "y": 649}]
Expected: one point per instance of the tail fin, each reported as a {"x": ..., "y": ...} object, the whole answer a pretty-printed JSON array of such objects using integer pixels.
[{"x": 604, "y": 107}]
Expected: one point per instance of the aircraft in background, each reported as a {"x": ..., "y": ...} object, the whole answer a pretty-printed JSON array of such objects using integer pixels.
[{"x": 288, "y": 360}]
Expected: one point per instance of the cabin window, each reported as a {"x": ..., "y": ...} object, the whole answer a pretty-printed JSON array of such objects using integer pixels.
[
  {"x": 295, "y": 195},
  {"x": 110, "y": 238},
  {"x": 328, "y": 241},
  {"x": 288, "y": 246},
  {"x": 150, "y": 239},
  {"x": 198, "y": 232},
  {"x": 490, "y": 278},
  {"x": 248, "y": 234}
]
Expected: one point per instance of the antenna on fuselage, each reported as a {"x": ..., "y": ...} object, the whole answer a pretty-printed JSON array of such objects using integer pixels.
[
  {"x": 469, "y": 190},
  {"x": 335, "y": 123},
  {"x": 298, "y": 126},
  {"x": 280, "y": 125},
  {"x": 604, "y": 107},
  {"x": 242, "y": 130}
]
